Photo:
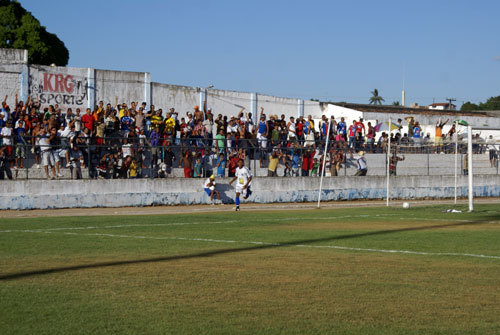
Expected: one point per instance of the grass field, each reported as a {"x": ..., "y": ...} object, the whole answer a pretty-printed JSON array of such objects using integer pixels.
[{"x": 341, "y": 271}]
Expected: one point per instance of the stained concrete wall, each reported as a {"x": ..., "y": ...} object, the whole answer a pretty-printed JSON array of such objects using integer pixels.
[
  {"x": 126, "y": 86},
  {"x": 11, "y": 66},
  {"x": 35, "y": 194},
  {"x": 65, "y": 86},
  {"x": 82, "y": 87}
]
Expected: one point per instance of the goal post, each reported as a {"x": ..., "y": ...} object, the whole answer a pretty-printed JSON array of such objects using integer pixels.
[{"x": 470, "y": 170}]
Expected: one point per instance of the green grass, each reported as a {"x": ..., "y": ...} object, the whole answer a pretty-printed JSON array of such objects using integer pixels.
[{"x": 260, "y": 272}]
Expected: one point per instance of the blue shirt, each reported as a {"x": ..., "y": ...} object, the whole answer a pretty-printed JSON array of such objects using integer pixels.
[
  {"x": 126, "y": 121},
  {"x": 341, "y": 127},
  {"x": 221, "y": 168},
  {"x": 155, "y": 138},
  {"x": 262, "y": 127},
  {"x": 416, "y": 132}
]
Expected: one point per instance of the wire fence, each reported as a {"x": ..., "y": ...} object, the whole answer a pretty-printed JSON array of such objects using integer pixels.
[{"x": 141, "y": 156}]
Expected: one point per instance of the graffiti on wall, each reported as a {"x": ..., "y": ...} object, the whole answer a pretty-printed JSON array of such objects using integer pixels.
[{"x": 58, "y": 88}]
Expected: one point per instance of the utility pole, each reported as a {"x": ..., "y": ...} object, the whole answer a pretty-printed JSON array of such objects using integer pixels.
[{"x": 450, "y": 100}]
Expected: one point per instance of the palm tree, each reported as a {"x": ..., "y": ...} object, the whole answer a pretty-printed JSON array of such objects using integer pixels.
[{"x": 375, "y": 98}]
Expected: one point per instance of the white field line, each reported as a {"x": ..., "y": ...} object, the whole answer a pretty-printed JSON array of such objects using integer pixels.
[
  {"x": 391, "y": 251},
  {"x": 218, "y": 222}
]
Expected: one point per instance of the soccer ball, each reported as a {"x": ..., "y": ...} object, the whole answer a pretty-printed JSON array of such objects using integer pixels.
[{"x": 406, "y": 205}]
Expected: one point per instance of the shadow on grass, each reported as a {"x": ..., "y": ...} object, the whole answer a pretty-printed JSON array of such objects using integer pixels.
[{"x": 211, "y": 253}]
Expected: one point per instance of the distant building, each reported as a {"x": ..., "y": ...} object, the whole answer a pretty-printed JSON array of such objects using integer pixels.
[{"x": 443, "y": 106}]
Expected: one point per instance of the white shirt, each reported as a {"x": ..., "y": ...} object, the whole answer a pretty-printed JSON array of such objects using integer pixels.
[
  {"x": 67, "y": 133},
  {"x": 207, "y": 183},
  {"x": 491, "y": 144},
  {"x": 127, "y": 150},
  {"x": 44, "y": 143},
  {"x": 7, "y": 133},
  {"x": 78, "y": 123},
  {"x": 242, "y": 175},
  {"x": 361, "y": 162}
]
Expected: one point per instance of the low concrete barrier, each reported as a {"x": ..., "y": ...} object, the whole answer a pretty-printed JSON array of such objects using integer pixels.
[{"x": 40, "y": 194}]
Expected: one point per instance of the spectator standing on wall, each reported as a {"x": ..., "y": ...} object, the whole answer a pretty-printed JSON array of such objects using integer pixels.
[
  {"x": 262, "y": 130},
  {"x": 342, "y": 128},
  {"x": 233, "y": 163},
  {"x": 393, "y": 162},
  {"x": 399, "y": 126},
  {"x": 221, "y": 165},
  {"x": 20, "y": 130},
  {"x": 360, "y": 163},
  {"x": 307, "y": 162},
  {"x": 300, "y": 130},
  {"x": 370, "y": 137},
  {"x": 7, "y": 135},
  {"x": 417, "y": 136},
  {"x": 295, "y": 160},
  {"x": 187, "y": 160},
  {"x": 197, "y": 169},
  {"x": 273, "y": 164},
  {"x": 220, "y": 140},
  {"x": 77, "y": 162},
  {"x": 439, "y": 134},
  {"x": 154, "y": 140},
  {"x": 88, "y": 120},
  {"x": 4, "y": 164},
  {"x": 169, "y": 159},
  {"x": 492, "y": 151},
  {"x": 352, "y": 135},
  {"x": 47, "y": 156},
  {"x": 292, "y": 133}
]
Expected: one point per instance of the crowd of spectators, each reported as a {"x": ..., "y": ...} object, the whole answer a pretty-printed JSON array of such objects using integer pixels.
[{"x": 135, "y": 140}]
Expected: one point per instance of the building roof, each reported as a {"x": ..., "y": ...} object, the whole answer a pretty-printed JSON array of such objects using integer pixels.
[
  {"x": 444, "y": 104},
  {"x": 406, "y": 110}
]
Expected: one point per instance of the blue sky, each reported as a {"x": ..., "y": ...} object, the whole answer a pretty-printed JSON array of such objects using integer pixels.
[{"x": 329, "y": 50}]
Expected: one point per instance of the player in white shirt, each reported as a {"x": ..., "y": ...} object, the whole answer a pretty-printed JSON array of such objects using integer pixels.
[
  {"x": 244, "y": 177},
  {"x": 209, "y": 187}
]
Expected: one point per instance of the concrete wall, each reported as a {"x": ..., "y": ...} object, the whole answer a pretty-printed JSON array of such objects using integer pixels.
[
  {"x": 83, "y": 87},
  {"x": 65, "y": 86},
  {"x": 126, "y": 86},
  {"x": 11, "y": 68},
  {"x": 35, "y": 194}
]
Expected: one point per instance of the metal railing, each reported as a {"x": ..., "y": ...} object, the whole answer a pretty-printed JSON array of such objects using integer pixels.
[{"x": 108, "y": 157}]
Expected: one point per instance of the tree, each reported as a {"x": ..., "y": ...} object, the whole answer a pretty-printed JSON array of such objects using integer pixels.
[
  {"x": 491, "y": 104},
  {"x": 19, "y": 29},
  {"x": 395, "y": 103},
  {"x": 469, "y": 106},
  {"x": 375, "y": 98}
]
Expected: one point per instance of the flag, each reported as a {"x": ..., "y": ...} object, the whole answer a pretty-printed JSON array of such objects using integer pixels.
[
  {"x": 462, "y": 122},
  {"x": 384, "y": 126}
]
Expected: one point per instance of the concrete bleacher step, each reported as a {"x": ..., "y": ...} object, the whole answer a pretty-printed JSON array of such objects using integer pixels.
[{"x": 34, "y": 173}]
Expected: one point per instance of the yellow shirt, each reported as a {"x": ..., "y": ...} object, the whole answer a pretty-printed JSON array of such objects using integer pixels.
[
  {"x": 273, "y": 163},
  {"x": 156, "y": 120},
  {"x": 133, "y": 169},
  {"x": 170, "y": 125}
]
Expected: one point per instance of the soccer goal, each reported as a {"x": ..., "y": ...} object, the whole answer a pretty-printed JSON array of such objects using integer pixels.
[
  {"x": 432, "y": 169},
  {"x": 473, "y": 146}
]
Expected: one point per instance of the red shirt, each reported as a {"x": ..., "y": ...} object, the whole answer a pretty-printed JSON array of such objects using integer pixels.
[
  {"x": 359, "y": 127},
  {"x": 307, "y": 161},
  {"x": 300, "y": 127},
  {"x": 88, "y": 121}
]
